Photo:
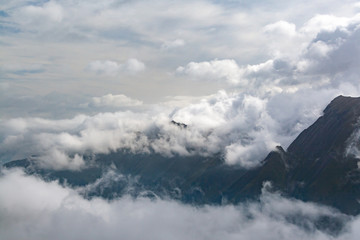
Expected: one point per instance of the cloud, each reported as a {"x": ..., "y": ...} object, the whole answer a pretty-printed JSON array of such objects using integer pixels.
[
  {"x": 279, "y": 64},
  {"x": 281, "y": 28},
  {"x": 353, "y": 145},
  {"x": 133, "y": 65},
  {"x": 180, "y": 101},
  {"x": 104, "y": 67},
  {"x": 215, "y": 70},
  {"x": 172, "y": 44},
  {"x": 49, "y": 11},
  {"x": 102, "y": 133},
  {"x": 34, "y": 209},
  {"x": 112, "y": 68},
  {"x": 111, "y": 100},
  {"x": 264, "y": 104},
  {"x": 22, "y": 69},
  {"x": 241, "y": 126},
  {"x": 321, "y": 52},
  {"x": 60, "y": 160},
  {"x": 277, "y": 101},
  {"x": 100, "y": 31},
  {"x": 274, "y": 102}
]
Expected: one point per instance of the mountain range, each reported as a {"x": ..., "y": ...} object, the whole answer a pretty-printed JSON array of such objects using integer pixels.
[{"x": 321, "y": 165}]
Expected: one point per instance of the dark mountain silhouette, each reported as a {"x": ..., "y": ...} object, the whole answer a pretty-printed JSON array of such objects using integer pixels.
[{"x": 316, "y": 167}]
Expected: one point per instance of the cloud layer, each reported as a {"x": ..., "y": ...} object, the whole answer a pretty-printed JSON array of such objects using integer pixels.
[
  {"x": 242, "y": 127},
  {"x": 34, "y": 209}
]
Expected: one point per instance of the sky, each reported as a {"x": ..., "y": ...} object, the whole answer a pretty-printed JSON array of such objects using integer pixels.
[
  {"x": 80, "y": 77},
  {"x": 84, "y": 76}
]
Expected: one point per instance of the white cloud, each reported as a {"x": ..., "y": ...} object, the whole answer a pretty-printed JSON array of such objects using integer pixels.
[
  {"x": 322, "y": 52},
  {"x": 49, "y": 11},
  {"x": 254, "y": 77},
  {"x": 34, "y": 209},
  {"x": 324, "y": 23},
  {"x": 281, "y": 28},
  {"x": 133, "y": 65},
  {"x": 60, "y": 160},
  {"x": 112, "y": 68},
  {"x": 215, "y": 70},
  {"x": 172, "y": 44},
  {"x": 104, "y": 67}
]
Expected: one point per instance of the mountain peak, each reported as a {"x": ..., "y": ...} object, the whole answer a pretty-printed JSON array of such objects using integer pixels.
[
  {"x": 331, "y": 131},
  {"x": 342, "y": 104}
]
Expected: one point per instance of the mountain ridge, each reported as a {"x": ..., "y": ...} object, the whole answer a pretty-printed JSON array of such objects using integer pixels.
[{"x": 315, "y": 167}]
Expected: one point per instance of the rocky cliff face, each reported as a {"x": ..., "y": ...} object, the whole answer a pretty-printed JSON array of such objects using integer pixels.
[
  {"x": 331, "y": 131},
  {"x": 322, "y": 170},
  {"x": 317, "y": 167}
]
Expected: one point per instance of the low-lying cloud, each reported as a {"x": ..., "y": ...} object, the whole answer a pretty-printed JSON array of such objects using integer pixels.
[
  {"x": 242, "y": 127},
  {"x": 33, "y": 209}
]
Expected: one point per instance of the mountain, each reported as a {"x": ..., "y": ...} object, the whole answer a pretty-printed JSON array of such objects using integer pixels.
[{"x": 318, "y": 166}]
